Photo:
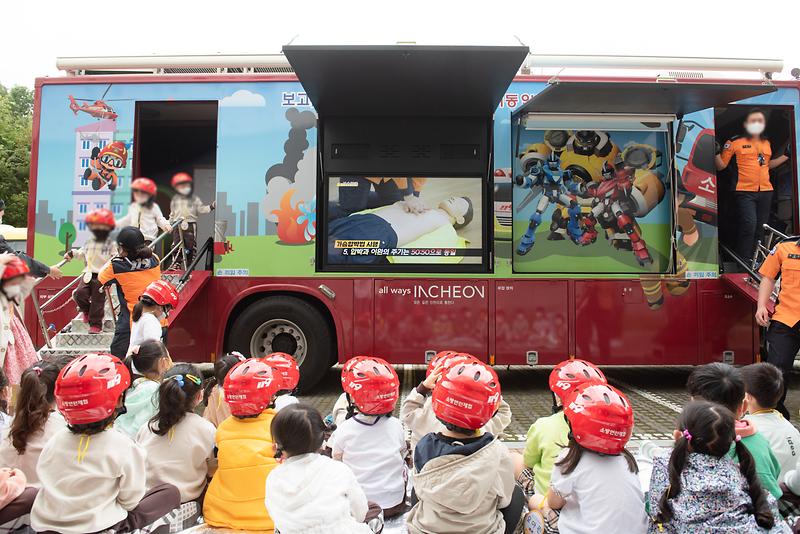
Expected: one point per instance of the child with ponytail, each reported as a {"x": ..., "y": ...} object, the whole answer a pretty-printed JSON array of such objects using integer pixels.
[
  {"x": 147, "y": 365},
  {"x": 179, "y": 443},
  {"x": 217, "y": 409},
  {"x": 35, "y": 420},
  {"x": 698, "y": 488}
]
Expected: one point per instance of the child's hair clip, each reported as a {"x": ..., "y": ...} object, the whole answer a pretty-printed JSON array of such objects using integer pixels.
[
  {"x": 687, "y": 435},
  {"x": 179, "y": 380},
  {"x": 738, "y": 438},
  {"x": 37, "y": 370},
  {"x": 238, "y": 355},
  {"x": 194, "y": 379}
]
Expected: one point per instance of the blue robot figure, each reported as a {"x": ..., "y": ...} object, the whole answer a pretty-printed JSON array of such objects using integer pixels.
[{"x": 558, "y": 188}]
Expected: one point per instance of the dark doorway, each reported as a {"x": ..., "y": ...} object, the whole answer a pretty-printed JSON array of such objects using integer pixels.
[{"x": 176, "y": 137}]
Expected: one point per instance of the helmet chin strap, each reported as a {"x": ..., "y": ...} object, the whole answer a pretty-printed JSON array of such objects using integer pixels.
[{"x": 351, "y": 408}]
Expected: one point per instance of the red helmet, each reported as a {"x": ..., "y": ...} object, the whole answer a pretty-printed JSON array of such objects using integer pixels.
[
  {"x": 250, "y": 386},
  {"x": 101, "y": 216},
  {"x": 441, "y": 355},
  {"x": 467, "y": 395},
  {"x": 114, "y": 154},
  {"x": 181, "y": 178},
  {"x": 145, "y": 185},
  {"x": 89, "y": 387},
  {"x": 569, "y": 374},
  {"x": 14, "y": 268},
  {"x": 347, "y": 370},
  {"x": 601, "y": 418},
  {"x": 286, "y": 366},
  {"x": 373, "y": 385},
  {"x": 162, "y": 293}
]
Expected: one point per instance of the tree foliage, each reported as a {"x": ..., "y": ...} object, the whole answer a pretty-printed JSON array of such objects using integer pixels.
[{"x": 16, "y": 110}]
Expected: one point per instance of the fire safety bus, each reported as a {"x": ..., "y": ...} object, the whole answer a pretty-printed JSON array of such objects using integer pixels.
[{"x": 401, "y": 200}]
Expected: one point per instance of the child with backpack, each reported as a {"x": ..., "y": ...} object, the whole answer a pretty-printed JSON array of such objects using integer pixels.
[
  {"x": 93, "y": 477},
  {"x": 463, "y": 477},
  {"x": 548, "y": 435},
  {"x": 154, "y": 305},
  {"x": 96, "y": 253},
  {"x": 594, "y": 487},
  {"x": 417, "y": 414},
  {"x": 309, "y": 493},
  {"x": 370, "y": 441},
  {"x": 147, "y": 364},
  {"x": 289, "y": 373},
  {"x": 245, "y": 450},
  {"x": 698, "y": 488},
  {"x": 35, "y": 420},
  {"x": 217, "y": 409},
  {"x": 179, "y": 443},
  {"x": 723, "y": 384}
]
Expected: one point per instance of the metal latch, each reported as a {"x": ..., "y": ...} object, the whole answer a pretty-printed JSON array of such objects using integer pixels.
[
  {"x": 429, "y": 355},
  {"x": 728, "y": 356},
  {"x": 532, "y": 357}
]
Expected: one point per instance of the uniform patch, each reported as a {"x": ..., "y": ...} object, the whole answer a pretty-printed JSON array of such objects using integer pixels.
[{"x": 794, "y": 256}]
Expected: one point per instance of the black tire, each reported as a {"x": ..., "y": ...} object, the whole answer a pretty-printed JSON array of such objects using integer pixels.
[{"x": 317, "y": 351}]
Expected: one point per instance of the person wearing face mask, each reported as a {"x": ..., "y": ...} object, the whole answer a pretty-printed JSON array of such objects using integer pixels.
[
  {"x": 153, "y": 307},
  {"x": 16, "y": 348},
  {"x": 753, "y": 193},
  {"x": 96, "y": 252},
  {"x": 144, "y": 213},
  {"x": 187, "y": 206}
]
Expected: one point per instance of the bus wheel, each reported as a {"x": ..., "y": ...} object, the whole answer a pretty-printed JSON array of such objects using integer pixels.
[{"x": 286, "y": 324}]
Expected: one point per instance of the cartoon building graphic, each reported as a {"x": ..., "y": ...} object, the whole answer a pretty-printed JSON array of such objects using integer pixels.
[{"x": 84, "y": 198}]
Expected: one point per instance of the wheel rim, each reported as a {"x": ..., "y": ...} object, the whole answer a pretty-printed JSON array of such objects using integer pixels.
[{"x": 279, "y": 335}]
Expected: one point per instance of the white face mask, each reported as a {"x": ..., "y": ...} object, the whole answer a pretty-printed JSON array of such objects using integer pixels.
[
  {"x": 754, "y": 128},
  {"x": 13, "y": 293},
  {"x": 184, "y": 189}
]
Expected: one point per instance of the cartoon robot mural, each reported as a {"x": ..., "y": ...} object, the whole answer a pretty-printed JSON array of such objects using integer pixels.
[{"x": 556, "y": 187}]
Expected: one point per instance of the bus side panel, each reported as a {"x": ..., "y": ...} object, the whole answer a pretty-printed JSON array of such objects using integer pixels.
[
  {"x": 615, "y": 324},
  {"x": 190, "y": 337},
  {"x": 531, "y": 315},
  {"x": 363, "y": 318},
  {"x": 727, "y": 325}
]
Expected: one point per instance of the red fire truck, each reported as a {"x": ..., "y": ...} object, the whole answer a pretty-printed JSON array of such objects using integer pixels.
[{"x": 402, "y": 200}]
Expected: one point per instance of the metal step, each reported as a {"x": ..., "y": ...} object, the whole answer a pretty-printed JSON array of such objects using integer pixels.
[
  {"x": 57, "y": 352},
  {"x": 79, "y": 340},
  {"x": 79, "y": 327}
]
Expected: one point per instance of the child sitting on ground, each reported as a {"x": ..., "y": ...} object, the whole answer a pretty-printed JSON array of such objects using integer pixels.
[
  {"x": 147, "y": 364},
  {"x": 547, "y": 436},
  {"x": 158, "y": 299},
  {"x": 96, "y": 252},
  {"x": 35, "y": 420},
  {"x": 341, "y": 407},
  {"x": 309, "y": 493},
  {"x": 370, "y": 441},
  {"x": 16, "y": 500},
  {"x": 179, "y": 443},
  {"x": 463, "y": 477},
  {"x": 290, "y": 376},
  {"x": 143, "y": 212},
  {"x": 245, "y": 450},
  {"x": 723, "y": 384},
  {"x": 217, "y": 409},
  {"x": 698, "y": 488},
  {"x": 93, "y": 477},
  {"x": 417, "y": 414},
  {"x": 763, "y": 385},
  {"x": 594, "y": 487}
]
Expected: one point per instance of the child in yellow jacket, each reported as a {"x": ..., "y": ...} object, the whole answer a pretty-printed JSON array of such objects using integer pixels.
[{"x": 245, "y": 450}]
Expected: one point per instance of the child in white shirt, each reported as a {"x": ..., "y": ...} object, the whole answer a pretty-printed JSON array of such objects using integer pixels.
[
  {"x": 309, "y": 493},
  {"x": 144, "y": 213},
  {"x": 178, "y": 442},
  {"x": 371, "y": 442},
  {"x": 158, "y": 299},
  {"x": 763, "y": 384}
]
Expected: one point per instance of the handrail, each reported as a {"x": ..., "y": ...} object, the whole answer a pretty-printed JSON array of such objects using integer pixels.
[{"x": 207, "y": 247}]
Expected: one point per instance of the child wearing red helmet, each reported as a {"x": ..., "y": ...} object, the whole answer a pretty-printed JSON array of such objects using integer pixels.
[
  {"x": 96, "y": 252},
  {"x": 16, "y": 348},
  {"x": 92, "y": 477},
  {"x": 463, "y": 476},
  {"x": 289, "y": 372},
  {"x": 594, "y": 484},
  {"x": 216, "y": 408},
  {"x": 548, "y": 435},
  {"x": 370, "y": 441},
  {"x": 245, "y": 450},
  {"x": 143, "y": 212},
  {"x": 187, "y": 206},
  {"x": 151, "y": 311},
  {"x": 416, "y": 412}
]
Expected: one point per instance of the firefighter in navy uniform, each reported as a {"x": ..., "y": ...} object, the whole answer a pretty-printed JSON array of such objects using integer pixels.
[
  {"x": 753, "y": 188},
  {"x": 783, "y": 335}
]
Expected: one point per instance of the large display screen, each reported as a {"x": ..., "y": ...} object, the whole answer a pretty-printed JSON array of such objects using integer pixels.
[
  {"x": 592, "y": 201},
  {"x": 396, "y": 223}
]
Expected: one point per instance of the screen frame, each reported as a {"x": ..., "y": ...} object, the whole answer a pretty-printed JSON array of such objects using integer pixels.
[{"x": 487, "y": 226}]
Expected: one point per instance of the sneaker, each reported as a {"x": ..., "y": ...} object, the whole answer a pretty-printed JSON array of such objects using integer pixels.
[
  {"x": 85, "y": 317},
  {"x": 95, "y": 330}
]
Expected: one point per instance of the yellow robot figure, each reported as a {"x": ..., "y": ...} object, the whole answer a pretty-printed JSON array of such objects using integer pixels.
[
  {"x": 533, "y": 154},
  {"x": 676, "y": 286}
]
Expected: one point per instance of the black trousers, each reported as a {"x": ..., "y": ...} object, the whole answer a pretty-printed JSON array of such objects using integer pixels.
[
  {"x": 783, "y": 342},
  {"x": 91, "y": 300},
  {"x": 752, "y": 211},
  {"x": 122, "y": 333}
]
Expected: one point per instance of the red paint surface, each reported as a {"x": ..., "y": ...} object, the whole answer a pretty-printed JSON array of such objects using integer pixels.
[{"x": 727, "y": 324}]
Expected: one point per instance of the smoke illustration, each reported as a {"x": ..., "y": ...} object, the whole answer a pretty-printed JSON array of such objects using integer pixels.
[{"x": 294, "y": 146}]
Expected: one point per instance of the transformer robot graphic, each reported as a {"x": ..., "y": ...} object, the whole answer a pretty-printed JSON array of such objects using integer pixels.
[
  {"x": 615, "y": 203},
  {"x": 558, "y": 188}
]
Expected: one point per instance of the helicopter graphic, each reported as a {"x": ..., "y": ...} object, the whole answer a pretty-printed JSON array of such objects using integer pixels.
[{"x": 98, "y": 109}]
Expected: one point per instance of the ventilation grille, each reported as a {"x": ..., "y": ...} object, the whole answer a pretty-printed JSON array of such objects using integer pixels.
[
  {"x": 186, "y": 70},
  {"x": 460, "y": 151},
  {"x": 685, "y": 74},
  {"x": 389, "y": 151},
  {"x": 421, "y": 151}
]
